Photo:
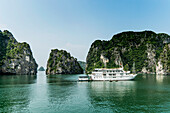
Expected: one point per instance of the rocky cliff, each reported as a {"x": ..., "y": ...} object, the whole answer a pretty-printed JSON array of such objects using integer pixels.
[
  {"x": 61, "y": 62},
  {"x": 150, "y": 52},
  {"x": 15, "y": 57}
]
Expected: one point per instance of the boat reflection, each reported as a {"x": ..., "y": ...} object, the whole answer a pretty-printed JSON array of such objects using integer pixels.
[
  {"x": 120, "y": 87},
  {"x": 109, "y": 95}
]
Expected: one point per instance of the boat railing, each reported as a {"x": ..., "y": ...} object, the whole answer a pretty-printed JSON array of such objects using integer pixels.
[{"x": 110, "y": 76}]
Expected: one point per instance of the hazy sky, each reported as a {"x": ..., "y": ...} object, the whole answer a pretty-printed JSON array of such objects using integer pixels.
[{"x": 74, "y": 24}]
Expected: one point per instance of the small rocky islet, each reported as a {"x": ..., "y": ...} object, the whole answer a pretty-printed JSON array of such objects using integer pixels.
[{"x": 41, "y": 69}]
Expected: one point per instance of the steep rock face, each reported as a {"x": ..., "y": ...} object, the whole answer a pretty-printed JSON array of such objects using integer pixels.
[
  {"x": 61, "y": 62},
  {"x": 163, "y": 65},
  {"x": 15, "y": 57},
  {"x": 148, "y": 50}
]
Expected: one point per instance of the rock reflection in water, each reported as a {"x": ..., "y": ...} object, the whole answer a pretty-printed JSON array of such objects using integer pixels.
[
  {"x": 17, "y": 79},
  {"x": 61, "y": 91},
  {"x": 15, "y": 92}
]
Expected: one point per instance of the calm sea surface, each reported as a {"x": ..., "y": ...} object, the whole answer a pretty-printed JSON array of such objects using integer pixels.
[{"x": 63, "y": 94}]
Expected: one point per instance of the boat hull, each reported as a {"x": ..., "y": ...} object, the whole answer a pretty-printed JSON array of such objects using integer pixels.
[{"x": 127, "y": 78}]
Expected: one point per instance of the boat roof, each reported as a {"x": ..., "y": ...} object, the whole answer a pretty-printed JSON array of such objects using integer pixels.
[{"x": 108, "y": 69}]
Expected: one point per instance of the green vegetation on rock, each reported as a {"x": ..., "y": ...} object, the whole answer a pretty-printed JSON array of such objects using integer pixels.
[
  {"x": 143, "y": 48},
  {"x": 61, "y": 62},
  {"x": 15, "y": 57},
  {"x": 165, "y": 58}
]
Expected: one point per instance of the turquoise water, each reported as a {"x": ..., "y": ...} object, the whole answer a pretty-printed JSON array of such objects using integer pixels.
[{"x": 63, "y": 94}]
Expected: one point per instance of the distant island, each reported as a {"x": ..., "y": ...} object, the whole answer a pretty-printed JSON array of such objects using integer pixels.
[
  {"x": 149, "y": 51},
  {"x": 82, "y": 64},
  {"x": 41, "y": 69},
  {"x": 15, "y": 57},
  {"x": 61, "y": 62}
]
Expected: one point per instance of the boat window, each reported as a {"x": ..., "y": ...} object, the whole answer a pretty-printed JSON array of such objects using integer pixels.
[
  {"x": 104, "y": 74},
  {"x": 114, "y": 74},
  {"x": 110, "y": 74},
  {"x": 83, "y": 76}
]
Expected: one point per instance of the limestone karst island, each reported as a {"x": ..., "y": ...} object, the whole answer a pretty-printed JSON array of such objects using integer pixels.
[
  {"x": 61, "y": 62},
  {"x": 149, "y": 51},
  {"x": 15, "y": 57}
]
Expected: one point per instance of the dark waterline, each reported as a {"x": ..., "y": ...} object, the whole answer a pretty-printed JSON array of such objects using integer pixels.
[{"x": 62, "y": 93}]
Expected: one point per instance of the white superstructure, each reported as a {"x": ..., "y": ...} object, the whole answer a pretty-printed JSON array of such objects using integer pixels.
[{"x": 114, "y": 74}]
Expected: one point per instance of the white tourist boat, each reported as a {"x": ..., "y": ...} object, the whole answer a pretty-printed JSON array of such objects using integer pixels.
[{"x": 104, "y": 74}]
